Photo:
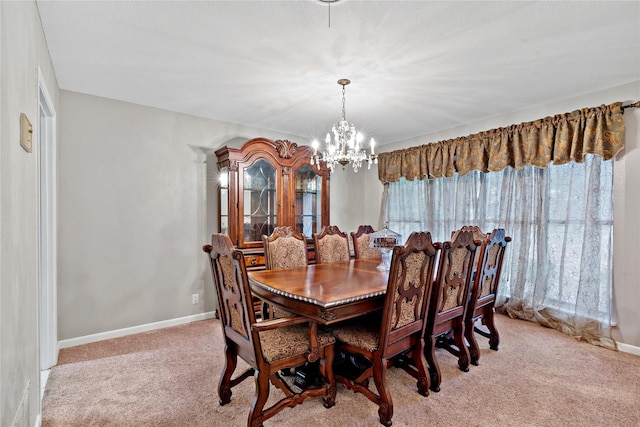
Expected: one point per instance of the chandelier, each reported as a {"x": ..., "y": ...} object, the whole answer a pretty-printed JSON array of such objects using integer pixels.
[{"x": 346, "y": 146}]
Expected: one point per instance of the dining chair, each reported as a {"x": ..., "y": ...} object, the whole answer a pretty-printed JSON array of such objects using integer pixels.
[
  {"x": 331, "y": 245},
  {"x": 481, "y": 240},
  {"x": 484, "y": 293},
  {"x": 449, "y": 303},
  {"x": 400, "y": 330},
  {"x": 267, "y": 346},
  {"x": 283, "y": 248},
  {"x": 361, "y": 240}
]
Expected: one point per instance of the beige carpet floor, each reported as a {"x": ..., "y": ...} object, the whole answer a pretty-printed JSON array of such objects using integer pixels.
[{"x": 169, "y": 377}]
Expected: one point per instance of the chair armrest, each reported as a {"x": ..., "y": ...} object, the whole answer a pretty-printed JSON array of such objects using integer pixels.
[{"x": 280, "y": 322}]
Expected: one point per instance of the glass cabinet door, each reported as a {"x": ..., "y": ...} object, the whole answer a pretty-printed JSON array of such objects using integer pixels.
[
  {"x": 259, "y": 199},
  {"x": 308, "y": 203},
  {"x": 223, "y": 201}
]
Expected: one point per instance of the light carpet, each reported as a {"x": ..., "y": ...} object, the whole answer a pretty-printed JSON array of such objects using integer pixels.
[{"x": 169, "y": 377}]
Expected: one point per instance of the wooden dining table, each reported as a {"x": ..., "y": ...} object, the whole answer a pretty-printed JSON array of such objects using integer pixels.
[{"x": 326, "y": 293}]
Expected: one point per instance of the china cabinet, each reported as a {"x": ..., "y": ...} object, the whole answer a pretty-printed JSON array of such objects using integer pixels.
[{"x": 265, "y": 184}]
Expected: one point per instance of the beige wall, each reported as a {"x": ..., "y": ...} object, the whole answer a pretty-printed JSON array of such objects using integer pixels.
[
  {"x": 136, "y": 202},
  {"x": 22, "y": 50},
  {"x": 626, "y": 285},
  {"x": 626, "y": 282},
  {"x": 348, "y": 197}
]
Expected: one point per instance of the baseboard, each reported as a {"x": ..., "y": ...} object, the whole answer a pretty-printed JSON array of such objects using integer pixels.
[
  {"x": 72, "y": 342},
  {"x": 626, "y": 348}
]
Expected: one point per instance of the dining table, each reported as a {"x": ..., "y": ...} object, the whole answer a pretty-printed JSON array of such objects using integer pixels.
[{"x": 327, "y": 293}]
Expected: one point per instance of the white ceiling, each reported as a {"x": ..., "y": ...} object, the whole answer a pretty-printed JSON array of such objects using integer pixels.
[{"x": 416, "y": 66}]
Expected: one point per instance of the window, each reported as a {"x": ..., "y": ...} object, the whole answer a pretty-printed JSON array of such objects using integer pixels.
[{"x": 560, "y": 219}]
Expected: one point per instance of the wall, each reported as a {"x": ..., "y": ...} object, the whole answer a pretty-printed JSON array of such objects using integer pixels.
[
  {"x": 626, "y": 292},
  {"x": 22, "y": 50},
  {"x": 347, "y": 198},
  {"x": 627, "y": 194},
  {"x": 136, "y": 202}
]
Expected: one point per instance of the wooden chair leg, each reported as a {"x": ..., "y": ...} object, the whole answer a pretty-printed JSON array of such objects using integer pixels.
[
  {"x": 494, "y": 336},
  {"x": 385, "y": 406},
  {"x": 474, "y": 350},
  {"x": 421, "y": 367},
  {"x": 434, "y": 369},
  {"x": 259, "y": 400},
  {"x": 463, "y": 351},
  {"x": 224, "y": 386}
]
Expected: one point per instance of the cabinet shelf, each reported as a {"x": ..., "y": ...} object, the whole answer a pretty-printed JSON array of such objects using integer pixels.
[{"x": 259, "y": 189}]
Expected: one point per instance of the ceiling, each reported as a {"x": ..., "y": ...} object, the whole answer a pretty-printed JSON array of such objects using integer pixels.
[{"x": 416, "y": 66}]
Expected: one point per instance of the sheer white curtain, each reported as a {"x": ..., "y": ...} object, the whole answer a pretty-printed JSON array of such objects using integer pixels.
[{"x": 558, "y": 266}]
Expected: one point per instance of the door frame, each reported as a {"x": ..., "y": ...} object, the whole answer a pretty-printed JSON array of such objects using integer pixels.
[{"x": 47, "y": 225}]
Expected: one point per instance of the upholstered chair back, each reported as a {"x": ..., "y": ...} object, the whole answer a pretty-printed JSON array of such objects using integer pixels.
[
  {"x": 234, "y": 298},
  {"x": 409, "y": 288},
  {"x": 361, "y": 240},
  {"x": 285, "y": 248},
  {"x": 331, "y": 245},
  {"x": 454, "y": 272}
]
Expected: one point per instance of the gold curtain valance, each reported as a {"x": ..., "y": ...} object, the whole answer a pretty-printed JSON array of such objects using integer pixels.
[{"x": 559, "y": 139}]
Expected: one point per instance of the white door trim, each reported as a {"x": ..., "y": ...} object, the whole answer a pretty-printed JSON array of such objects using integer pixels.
[{"x": 47, "y": 221}]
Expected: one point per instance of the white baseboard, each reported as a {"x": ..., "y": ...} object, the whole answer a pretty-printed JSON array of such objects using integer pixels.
[
  {"x": 134, "y": 330},
  {"x": 626, "y": 348}
]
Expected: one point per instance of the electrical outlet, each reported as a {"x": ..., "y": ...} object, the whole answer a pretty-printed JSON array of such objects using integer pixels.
[{"x": 195, "y": 298}]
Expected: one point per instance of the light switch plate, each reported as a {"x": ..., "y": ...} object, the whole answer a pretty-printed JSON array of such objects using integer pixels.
[{"x": 26, "y": 133}]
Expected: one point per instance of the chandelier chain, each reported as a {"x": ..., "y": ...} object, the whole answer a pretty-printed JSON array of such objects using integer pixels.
[{"x": 344, "y": 109}]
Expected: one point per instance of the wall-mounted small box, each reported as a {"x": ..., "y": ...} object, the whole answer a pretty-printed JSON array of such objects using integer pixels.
[{"x": 26, "y": 133}]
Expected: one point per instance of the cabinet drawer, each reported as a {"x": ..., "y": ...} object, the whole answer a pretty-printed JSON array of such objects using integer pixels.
[{"x": 254, "y": 260}]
